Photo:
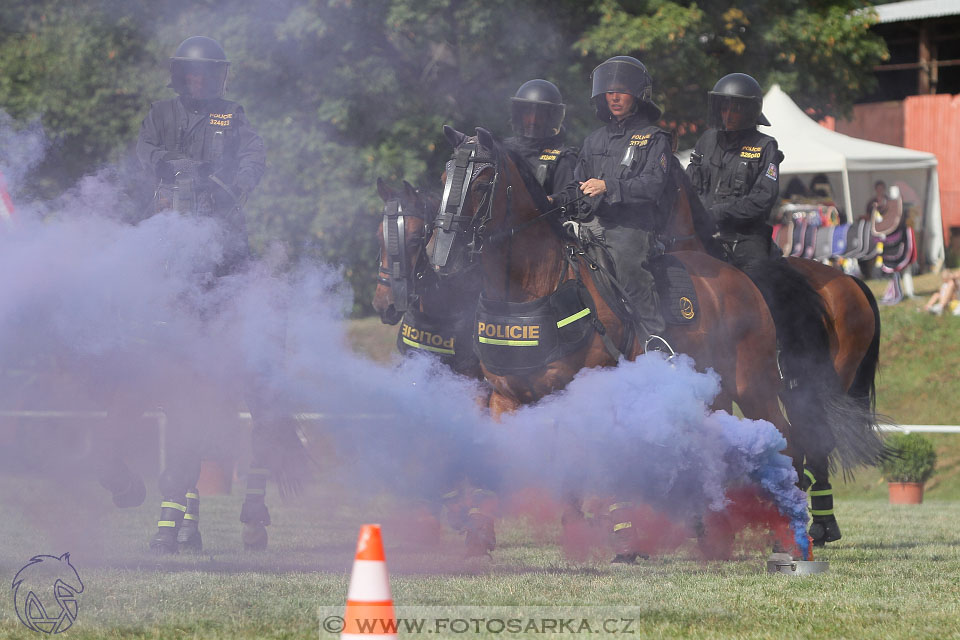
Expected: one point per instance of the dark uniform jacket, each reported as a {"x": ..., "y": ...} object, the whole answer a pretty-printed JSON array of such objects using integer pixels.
[
  {"x": 633, "y": 157},
  {"x": 214, "y": 131},
  {"x": 550, "y": 159},
  {"x": 736, "y": 175},
  {"x": 217, "y": 135}
]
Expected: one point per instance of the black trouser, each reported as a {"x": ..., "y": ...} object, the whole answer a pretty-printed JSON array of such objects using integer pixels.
[
  {"x": 747, "y": 250},
  {"x": 630, "y": 248}
]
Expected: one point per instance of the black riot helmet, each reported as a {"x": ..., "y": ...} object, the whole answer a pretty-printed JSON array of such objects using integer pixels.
[
  {"x": 537, "y": 110},
  {"x": 623, "y": 74},
  {"x": 737, "y": 92},
  {"x": 198, "y": 69}
]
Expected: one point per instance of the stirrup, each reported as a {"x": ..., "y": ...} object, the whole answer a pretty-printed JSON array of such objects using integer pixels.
[{"x": 657, "y": 343}]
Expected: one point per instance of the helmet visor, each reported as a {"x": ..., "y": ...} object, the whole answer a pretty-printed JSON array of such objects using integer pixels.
[
  {"x": 199, "y": 80},
  {"x": 732, "y": 113},
  {"x": 535, "y": 119},
  {"x": 621, "y": 77}
]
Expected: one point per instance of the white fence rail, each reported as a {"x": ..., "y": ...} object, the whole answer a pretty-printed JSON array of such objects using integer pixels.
[{"x": 314, "y": 417}]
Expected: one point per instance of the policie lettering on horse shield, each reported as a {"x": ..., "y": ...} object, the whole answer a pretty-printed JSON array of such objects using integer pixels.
[{"x": 514, "y": 338}]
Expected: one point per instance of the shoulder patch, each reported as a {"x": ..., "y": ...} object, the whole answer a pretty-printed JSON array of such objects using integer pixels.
[
  {"x": 663, "y": 162},
  {"x": 772, "y": 172}
]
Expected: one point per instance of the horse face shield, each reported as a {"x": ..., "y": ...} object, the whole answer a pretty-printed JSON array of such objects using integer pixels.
[
  {"x": 395, "y": 270},
  {"x": 456, "y": 235}
]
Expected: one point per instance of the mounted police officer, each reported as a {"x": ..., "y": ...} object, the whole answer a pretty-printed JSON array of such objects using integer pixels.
[
  {"x": 536, "y": 117},
  {"x": 624, "y": 172},
  {"x": 736, "y": 169},
  {"x": 200, "y": 147},
  {"x": 206, "y": 159}
]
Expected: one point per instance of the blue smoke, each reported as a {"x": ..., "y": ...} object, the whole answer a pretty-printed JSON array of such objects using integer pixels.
[{"x": 133, "y": 309}]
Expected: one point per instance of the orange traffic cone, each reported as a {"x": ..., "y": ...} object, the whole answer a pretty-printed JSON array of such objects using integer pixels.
[{"x": 369, "y": 603}]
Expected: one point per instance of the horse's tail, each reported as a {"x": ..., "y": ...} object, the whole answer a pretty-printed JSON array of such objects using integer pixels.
[
  {"x": 825, "y": 421},
  {"x": 864, "y": 387}
]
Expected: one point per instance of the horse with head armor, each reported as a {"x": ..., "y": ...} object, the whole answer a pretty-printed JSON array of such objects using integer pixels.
[{"x": 543, "y": 316}]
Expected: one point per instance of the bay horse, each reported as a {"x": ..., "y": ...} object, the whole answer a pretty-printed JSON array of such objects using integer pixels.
[
  {"x": 494, "y": 214},
  {"x": 436, "y": 317},
  {"x": 849, "y": 318}
]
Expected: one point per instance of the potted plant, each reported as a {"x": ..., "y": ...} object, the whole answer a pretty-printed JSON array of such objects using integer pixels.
[{"x": 910, "y": 464}]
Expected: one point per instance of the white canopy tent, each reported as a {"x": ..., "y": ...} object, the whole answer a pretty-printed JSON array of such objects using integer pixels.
[{"x": 852, "y": 166}]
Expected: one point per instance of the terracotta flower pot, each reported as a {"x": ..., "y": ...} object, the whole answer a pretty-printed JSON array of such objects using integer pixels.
[{"x": 905, "y": 492}]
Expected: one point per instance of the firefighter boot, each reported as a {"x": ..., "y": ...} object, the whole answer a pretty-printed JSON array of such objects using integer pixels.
[
  {"x": 254, "y": 514},
  {"x": 188, "y": 538},
  {"x": 164, "y": 541}
]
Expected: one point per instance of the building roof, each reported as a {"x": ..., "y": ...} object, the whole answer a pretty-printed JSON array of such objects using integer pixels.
[{"x": 916, "y": 10}]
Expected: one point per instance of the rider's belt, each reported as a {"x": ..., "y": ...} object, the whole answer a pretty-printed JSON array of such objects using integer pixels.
[
  {"x": 514, "y": 338},
  {"x": 678, "y": 298},
  {"x": 421, "y": 333}
]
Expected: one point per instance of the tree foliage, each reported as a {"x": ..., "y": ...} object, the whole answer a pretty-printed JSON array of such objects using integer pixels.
[{"x": 344, "y": 91}]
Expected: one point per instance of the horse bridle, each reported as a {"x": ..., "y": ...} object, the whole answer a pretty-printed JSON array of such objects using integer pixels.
[
  {"x": 397, "y": 274},
  {"x": 468, "y": 161}
]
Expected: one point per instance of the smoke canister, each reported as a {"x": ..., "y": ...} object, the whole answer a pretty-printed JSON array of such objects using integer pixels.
[{"x": 783, "y": 563}]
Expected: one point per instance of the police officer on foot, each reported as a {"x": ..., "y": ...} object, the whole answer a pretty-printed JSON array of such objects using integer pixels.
[
  {"x": 736, "y": 169},
  {"x": 536, "y": 117},
  {"x": 206, "y": 159},
  {"x": 623, "y": 173}
]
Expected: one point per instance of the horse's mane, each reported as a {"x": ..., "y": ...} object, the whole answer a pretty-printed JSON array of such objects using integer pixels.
[{"x": 703, "y": 223}]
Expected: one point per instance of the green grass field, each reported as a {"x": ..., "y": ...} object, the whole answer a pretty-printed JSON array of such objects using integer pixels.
[{"x": 893, "y": 575}]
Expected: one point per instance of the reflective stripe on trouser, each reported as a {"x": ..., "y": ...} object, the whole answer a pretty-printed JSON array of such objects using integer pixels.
[
  {"x": 821, "y": 499},
  {"x": 171, "y": 513}
]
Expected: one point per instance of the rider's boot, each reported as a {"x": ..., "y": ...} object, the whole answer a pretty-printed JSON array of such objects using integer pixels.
[
  {"x": 254, "y": 514},
  {"x": 188, "y": 538}
]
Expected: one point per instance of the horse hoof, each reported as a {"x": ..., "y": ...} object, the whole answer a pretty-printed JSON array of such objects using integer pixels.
[
  {"x": 254, "y": 537},
  {"x": 164, "y": 542},
  {"x": 481, "y": 535},
  {"x": 192, "y": 542},
  {"x": 824, "y": 531},
  {"x": 133, "y": 495},
  {"x": 628, "y": 558}
]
